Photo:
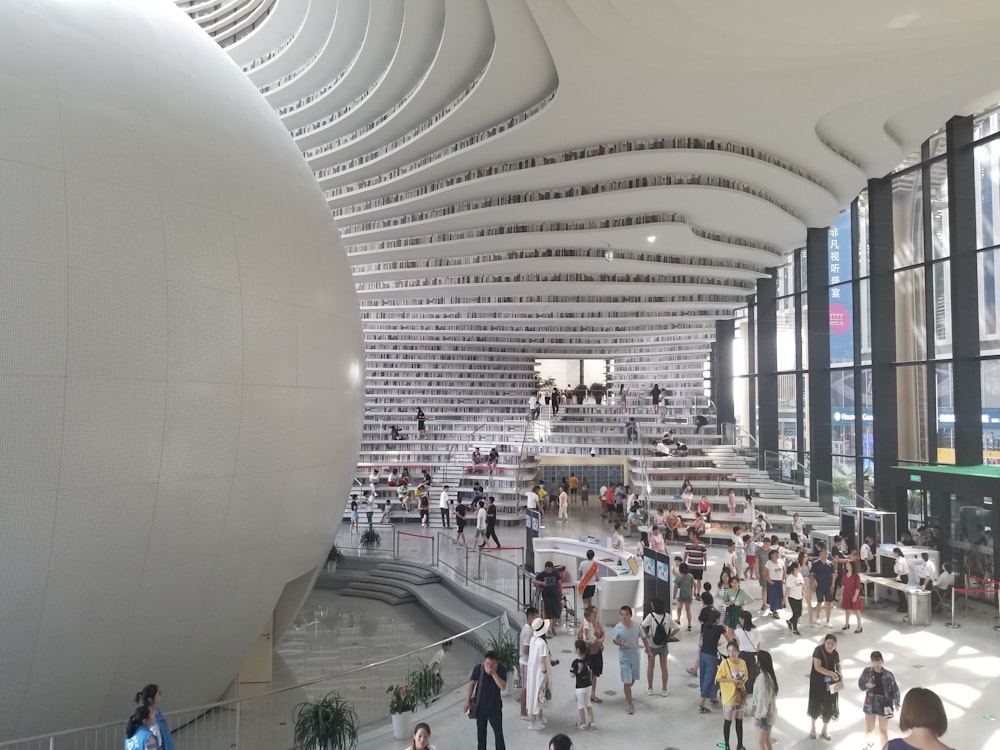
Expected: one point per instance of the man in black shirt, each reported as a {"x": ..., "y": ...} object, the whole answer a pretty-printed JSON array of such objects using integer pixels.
[
  {"x": 489, "y": 678},
  {"x": 550, "y": 582},
  {"x": 491, "y": 522}
]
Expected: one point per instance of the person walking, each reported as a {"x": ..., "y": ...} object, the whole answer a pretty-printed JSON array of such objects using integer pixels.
[
  {"x": 807, "y": 591},
  {"x": 538, "y": 672},
  {"x": 491, "y": 522},
  {"x": 850, "y": 596},
  {"x": 684, "y": 592},
  {"x": 444, "y": 505},
  {"x": 731, "y": 677},
  {"x": 421, "y": 423},
  {"x": 922, "y": 716},
  {"x": 696, "y": 555},
  {"x": 821, "y": 576},
  {"x": 774, "y": 573},
  {"x": 460, "y": 519},
  {"x": 881, "y": 698},
  {"x": 654, "y": 393},
  {"x": 627, "y": 635},
  {"x": 591, "y": 631},
  {"x": 656, "y": 626},
  {"x": 765, "y": 705},
  {"x": 748, "y": 639},
  {"x": 488, "y": 680},
  {"x": 795, "y": 586},
  {"x": 563, "y": 505},
  {"x": 708, "y": 650},
  {"x": 524, "y": 646},
  {"x": 139, "y": 731},
  {"x": 151, "y": 696},
  {"x": 825, "y": 683},
  {"x": 480, "y": 526},
  {"x": 580, "y": 669}
]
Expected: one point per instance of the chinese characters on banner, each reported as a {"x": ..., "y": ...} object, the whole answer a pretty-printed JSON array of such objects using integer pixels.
[{"x": 840, "y": 265}]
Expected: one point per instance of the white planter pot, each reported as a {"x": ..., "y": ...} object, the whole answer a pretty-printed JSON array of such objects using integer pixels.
[{"x": 402, "y": 724}]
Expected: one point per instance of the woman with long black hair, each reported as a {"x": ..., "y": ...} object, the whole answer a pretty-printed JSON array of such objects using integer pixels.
[{"x": 765, "y": 694}]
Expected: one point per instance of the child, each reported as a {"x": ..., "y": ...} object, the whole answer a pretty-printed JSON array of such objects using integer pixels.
[
  {"x": 354, "y": 514},
  {"x": 751, "y": 547},
  {"x": 580, "y": 669},
  {"x": 439, "y": 656},
  {"x": 732, "y": 503},
  {"x": 683, "y": 588}
]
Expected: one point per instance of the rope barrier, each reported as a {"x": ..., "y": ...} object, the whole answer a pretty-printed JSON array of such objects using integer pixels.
[{"x": 410, "y": 533}]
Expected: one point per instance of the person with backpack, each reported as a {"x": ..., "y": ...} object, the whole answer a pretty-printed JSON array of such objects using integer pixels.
[
  {"x": 139, "y": 732},
  {"x": 656, "y": 626}
]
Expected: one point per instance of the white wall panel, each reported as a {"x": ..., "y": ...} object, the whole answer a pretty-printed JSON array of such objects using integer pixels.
[
  {"x": 32, "y": 210},
  {"x": 200, "y": 430},
  {"x": 206, "y": 334},
  {"x": 32, "y": 318},
  {"x": 116, "y": 326},
  {"x": 269, "y": 342},
  {"x": 200, "y": 246},
  {"x": 180, "y": 359}
]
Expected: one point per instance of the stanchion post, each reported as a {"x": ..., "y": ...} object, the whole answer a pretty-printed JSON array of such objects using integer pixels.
[{"x": 952, "y": 624}]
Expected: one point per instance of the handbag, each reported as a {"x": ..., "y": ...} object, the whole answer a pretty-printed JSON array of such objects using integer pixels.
[
  {"x": 474, "y": 700},
  {"x": 835, "y": 687}
]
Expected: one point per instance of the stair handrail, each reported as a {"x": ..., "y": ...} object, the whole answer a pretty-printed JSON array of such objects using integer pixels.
[
  {"x": 783, "y": 456},
  {"x": 235, "y": 704}
]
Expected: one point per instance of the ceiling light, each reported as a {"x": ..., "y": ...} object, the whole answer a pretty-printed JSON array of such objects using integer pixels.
[{"x": 651, "y": 238}]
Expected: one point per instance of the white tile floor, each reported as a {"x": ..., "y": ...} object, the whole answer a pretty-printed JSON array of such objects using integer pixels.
[{"x": 962, "y": 665}]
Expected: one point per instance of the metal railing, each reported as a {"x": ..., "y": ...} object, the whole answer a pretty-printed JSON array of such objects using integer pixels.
[
  {"x": 783, "y": 469},
  {"x": 481, "y": 569},
  {"x": 265, "y": 721},
  {"x": 830, "y": 497}
]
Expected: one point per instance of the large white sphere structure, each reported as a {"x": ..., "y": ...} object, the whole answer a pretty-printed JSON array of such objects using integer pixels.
[{"x": 180, "y": 362}]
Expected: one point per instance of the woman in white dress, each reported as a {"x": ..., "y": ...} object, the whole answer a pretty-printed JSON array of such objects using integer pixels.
[{"x": 538, "y": 673}]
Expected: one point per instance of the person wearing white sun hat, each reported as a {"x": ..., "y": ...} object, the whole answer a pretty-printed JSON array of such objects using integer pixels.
[{"x": 539, "y": 671}]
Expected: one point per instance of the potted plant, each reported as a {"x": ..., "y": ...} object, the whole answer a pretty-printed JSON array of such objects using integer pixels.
[
  {"x": 334, "y": 557},
  {"x": 581, "y": 393},
  {"x": 425, "y": 683},
  {"x": 325, "y": 724},
  {"x": 401, "y": 703},
  {"x": 371, "y": 539},
  {"x": 506, "y": 647},
  {"x": 598, "y": 390}
]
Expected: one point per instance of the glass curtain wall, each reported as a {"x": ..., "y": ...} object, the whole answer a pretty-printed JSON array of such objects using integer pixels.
[{"x": 924, "y": 324}]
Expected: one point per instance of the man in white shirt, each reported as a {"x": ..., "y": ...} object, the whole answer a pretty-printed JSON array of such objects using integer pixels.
[
  {"x": 531, "y": 499},
  {"x": 729, "y": 560},
  {"x": 927, "y": 572},
  {"x": 902, "y": 570},
  {"x": 563, "y": 505},
  {"x": 533, "y": 407},
  {"x": 481, "y": 524},
  {"x": 867, "y": 556},
  {"x": 444, "y": 503},
  {"x": 943, "y": 585}
]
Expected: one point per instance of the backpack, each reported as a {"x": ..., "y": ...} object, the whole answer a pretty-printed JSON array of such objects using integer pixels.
[{"x": 659, "y": 633}]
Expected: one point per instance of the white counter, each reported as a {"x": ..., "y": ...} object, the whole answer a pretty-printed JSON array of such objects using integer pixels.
[{"x": 618, "y": 585}]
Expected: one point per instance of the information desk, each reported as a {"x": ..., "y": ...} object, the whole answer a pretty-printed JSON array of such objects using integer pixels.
[{"x": 618, "y": 585}]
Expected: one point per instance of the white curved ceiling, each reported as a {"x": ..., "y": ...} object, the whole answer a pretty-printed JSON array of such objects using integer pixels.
[{"x": 482, "y": 157}]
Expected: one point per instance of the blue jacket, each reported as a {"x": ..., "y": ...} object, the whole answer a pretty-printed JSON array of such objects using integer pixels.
[{"x": 165, "y": 736}]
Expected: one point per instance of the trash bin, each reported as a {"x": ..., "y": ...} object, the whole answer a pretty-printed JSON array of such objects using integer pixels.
[{"x": 918, "y": 604}]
